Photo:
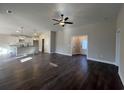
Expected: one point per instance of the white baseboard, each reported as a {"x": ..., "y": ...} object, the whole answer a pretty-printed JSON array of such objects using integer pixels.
[
  {"x": 77, "y": 54},
  {"x": 102, "y": 61},
  {"x": 67, "y": 54},
  {"x": 52, "y": 52}
]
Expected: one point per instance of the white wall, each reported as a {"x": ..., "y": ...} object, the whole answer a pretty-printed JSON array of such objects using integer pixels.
[
  {"x": 120, "y": 27},
  {"x": 63, "y": 42},
  {"x": 53, "y": 42},
  {"x": 101, "y": 38}
]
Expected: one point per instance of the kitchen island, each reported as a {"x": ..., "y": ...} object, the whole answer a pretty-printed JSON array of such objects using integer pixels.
[{"x": 23, "y": 50}]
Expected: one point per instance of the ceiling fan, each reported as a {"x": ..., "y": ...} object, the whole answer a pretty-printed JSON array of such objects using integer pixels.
[{"x": 62, "y": 21}]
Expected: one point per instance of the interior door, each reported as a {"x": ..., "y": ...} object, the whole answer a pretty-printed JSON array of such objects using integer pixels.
[{"x": 42, "y": 45}]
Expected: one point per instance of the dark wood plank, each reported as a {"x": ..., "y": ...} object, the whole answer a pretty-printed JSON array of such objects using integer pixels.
[{"x": 73, "y": 72}]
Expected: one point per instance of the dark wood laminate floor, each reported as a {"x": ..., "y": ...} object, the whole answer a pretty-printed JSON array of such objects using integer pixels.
[{"x": 72, "y": 73}]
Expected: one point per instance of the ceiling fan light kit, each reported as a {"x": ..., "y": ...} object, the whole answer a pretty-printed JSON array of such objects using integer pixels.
[{"x": 62, "y": 22}]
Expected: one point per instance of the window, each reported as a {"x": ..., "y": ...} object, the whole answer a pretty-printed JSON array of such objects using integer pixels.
[
  {"x": 84, "y": 44},
  {"x": 3, "y": 51}
]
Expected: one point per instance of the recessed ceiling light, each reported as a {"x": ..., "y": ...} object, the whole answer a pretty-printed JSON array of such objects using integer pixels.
[
  {"x": 17, "y": 31},
  {"x": 9, "y": 11}
]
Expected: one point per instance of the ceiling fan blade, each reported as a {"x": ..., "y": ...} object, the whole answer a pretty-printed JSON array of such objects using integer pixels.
[
  {"x": 62, "y": 16},
  {"x": 55, "y": 20},
  {"x": 68, "y": 22},
  {"x": 66, "y": 18},
  {"x": 56, "y": 24}
]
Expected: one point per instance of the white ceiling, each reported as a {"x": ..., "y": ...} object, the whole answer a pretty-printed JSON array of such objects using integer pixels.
[{"x": 39, "y": 17}]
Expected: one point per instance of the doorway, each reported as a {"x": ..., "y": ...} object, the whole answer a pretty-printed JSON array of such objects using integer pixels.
[
  {"x": 36, "y": 45},
  {"x": 42, "y": 45},
  {"x": 80, "y": 45}
]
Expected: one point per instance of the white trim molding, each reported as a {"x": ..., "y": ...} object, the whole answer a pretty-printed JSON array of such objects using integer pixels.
[
  {"x": 52, "y": 52},
  {"x": 77, "y": 54},
  {"x": 102, "y": 61},
  {"x": 67, "y": 54}
]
